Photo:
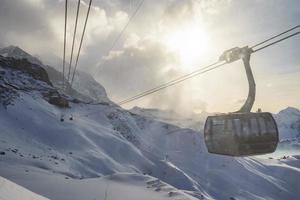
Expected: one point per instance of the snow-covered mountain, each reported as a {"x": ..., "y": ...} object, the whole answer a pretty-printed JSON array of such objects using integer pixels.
[
  {"x": 88, "y": 86},
  {"x": 21, "y": 75},
  {"x": 106, "y": 152},
  {"x": 18, "y": 53},
  {"x": 288, "y": 121},
  {"x": 85, "y": 87}
]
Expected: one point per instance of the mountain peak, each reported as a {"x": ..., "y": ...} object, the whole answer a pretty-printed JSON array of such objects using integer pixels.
[
  {"x": 13, "y": 50},
  {"x": 290, "y": 110},
  {"x": 18, "y": 53}
]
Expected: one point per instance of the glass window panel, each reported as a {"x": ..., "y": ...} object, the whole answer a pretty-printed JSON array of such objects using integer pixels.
[
  {"x": 262, "y": 124},
  {"x": 270, "y": 125},
  {"x": 229, "y": 128},
  {"x": 246, "y": 127},
  {"x": 218, "y": 121},
  {"x": 218, "y": 126},
  {"x": 208, "y": 126},
  {"x": 254, "y": 126},
  {"x": 238, "y": 126}
]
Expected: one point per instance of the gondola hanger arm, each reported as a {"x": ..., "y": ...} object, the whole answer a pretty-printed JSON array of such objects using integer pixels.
[{"x": 243, "y": 53}]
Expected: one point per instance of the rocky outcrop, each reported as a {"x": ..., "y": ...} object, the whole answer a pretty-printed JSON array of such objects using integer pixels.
[{"x": 20, "y": 75}]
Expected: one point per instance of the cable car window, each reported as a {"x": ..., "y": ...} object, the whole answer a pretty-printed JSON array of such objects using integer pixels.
[
  {"x": 254, "y": 126},
  {"x": 246, "y": 127},
  {"x": 218, "y": 121},
  {"x": 218, "y": 125},
  {"x": 208, "y": 126},
  {"x": 238, "y": 126},
  {"x": 262, "y": 124},
  {"x": 229, "y": 126},
  {"x": 270, "y": 125}
]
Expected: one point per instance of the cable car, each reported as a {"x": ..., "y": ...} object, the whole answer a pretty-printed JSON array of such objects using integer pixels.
[{"x": 241, "y": 133}]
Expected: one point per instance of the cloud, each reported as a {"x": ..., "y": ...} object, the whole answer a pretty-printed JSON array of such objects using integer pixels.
[
  {"x": 239, "y": 101},
  {"x": 135, "y": 68},
  {"x": 23, "y": 22},
  {"x": 141, "y": 58}
]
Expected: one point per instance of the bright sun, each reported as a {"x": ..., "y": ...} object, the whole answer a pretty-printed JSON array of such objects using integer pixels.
[{"x": 189, "y": 43}]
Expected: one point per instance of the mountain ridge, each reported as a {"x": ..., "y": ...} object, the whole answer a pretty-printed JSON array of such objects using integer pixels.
[{"x": 89, "y": 91}]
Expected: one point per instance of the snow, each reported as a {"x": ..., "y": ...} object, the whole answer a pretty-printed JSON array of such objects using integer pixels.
[
  {"x": 288, "y": 121},
  {"x": 113, "y": 187},
  {"x": 4, "y": 54},
  {"x": 92, "y": 152},
  {"x": 10, "y": 190}
]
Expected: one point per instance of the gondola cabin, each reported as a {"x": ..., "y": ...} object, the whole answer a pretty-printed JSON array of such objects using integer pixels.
[{"x": 241, "y": 134}]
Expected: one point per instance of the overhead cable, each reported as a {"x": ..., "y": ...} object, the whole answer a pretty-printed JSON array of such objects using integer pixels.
[
  {"x": 81, "y": 40},
  {"x": 282, "y": 33},
  {"x": 277, "y": 41},
  {"x": 125, "y": 27},
  {"x": 74, "y": 36},
  {"x": 65, "y": 43},
  {"x": 167, "y": 84}
]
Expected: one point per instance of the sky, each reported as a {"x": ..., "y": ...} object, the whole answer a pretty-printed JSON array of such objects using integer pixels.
[{"x": 164, "y": 40}]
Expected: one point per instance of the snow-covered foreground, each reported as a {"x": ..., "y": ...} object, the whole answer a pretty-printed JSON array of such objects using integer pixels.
[
  {"x": 10, "y": 190},
  {"x": 112, "y": 187},
  {"x": 33, "y": 136},
  {"x": 42, "y": 153}
]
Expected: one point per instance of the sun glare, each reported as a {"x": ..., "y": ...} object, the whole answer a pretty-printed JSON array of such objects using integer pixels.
[{"x": 189, "y": 43}]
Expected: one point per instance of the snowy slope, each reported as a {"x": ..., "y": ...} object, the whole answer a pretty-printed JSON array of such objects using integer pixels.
[
  {"x": 32, "y": 134},
  {"x": 48, "y": 156},
  {"x": 10, "y": 190},
  {"x": 102, "y": 144},
  {"x": 112, "y": 187}
]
